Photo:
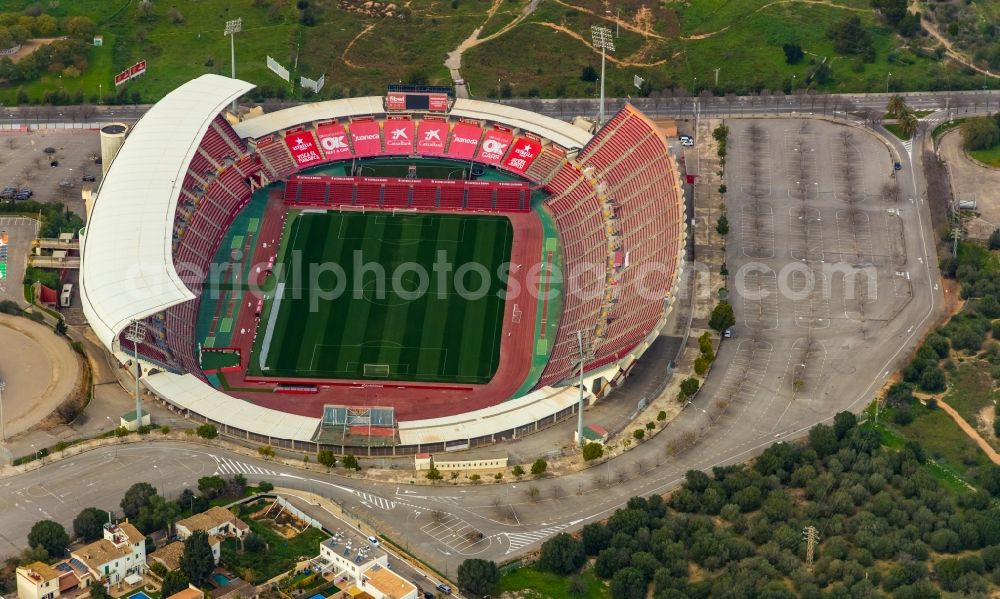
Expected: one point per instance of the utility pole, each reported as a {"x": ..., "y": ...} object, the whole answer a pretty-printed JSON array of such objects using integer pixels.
[
  {"x": 604, "y": 41},
  {"x": 812, "y": 537},
  {"x": 717, "y": 76},
  {"x": 232, "y": 28}
]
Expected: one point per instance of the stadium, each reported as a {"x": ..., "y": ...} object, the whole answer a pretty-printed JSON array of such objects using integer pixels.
[{"x": 383, "y": 275}]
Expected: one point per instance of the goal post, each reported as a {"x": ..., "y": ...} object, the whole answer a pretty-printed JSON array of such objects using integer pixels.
[
  {"x": 350, "y": 208},
  {"x": 377, "y": 370}
]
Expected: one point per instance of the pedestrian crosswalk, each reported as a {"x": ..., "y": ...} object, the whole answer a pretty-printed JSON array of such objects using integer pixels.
[
  {"x": 518, "y": 540},
  {"x": 375, "y": 500},
  {"x": 228, "y": 466},
  {"x": 908, "y": 146}
]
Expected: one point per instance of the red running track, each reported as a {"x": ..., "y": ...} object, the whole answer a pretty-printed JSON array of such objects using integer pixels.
[{"x": 411, "y": 400}]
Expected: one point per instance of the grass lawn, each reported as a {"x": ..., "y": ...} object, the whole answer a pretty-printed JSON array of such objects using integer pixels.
[
  {"x": 990, "y": 157},
  {"x": 945, "y": 127},
  {"x": 681, "y": 46},
  {"x": 970, "y": 389},
  {"x": 281, "y": 556},
  {"x": 535, "y": 584},
  {"x": 375, "y": 326},
  {"x": 944, "y": 442},
  {"x": 896, "y": 130}
]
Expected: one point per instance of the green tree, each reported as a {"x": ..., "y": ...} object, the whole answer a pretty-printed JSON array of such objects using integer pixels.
[
  {"x": 89, "y": 523},
  {"x": 722, "y": 226},
  {"x": 478, "y": 576},
  {"x": 174, "y": 582},
  {"x": 265, "y": 487},
  {"x": 908, "y": 123},
  {"x": 638, "y": 434},
  {"x": 350, "y": 462},
  {"x": 850, "y": 36},
  {"x": 212, "y": 486},
  {"x": 326, "y": 458},
  {"x": 896, "y": 106},
  {"x": 49, "y": 535},
  {"x": 589, "y": 74},
  {"x": 689, "y": 386},
  {"x": 539, "y": 466},
  {"x": 722, "y": 316},
  {"x": 207, "y": 431},
  {"x": 980, "y": 133},
  {"x": 197, "y": 561},
  {"x": 97, "y": 590},
  {"x": 562, "y": 554},
  {"x": 793, "y": 53},
  {"x": 135, "y": 498},
  {"x": 994, "y": 242},
  {"x": 843, "y": 422},
  {"x": 628, "y": 583},
  {"x": 823, "y": 440},
  {"x": 517, "y": 471},
  {"x": 592, "y": 451},
  {"x": 434, "y": 474}
]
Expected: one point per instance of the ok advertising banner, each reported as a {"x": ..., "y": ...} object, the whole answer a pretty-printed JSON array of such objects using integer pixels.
[
  {"x": 494, "y": 146},
  {"x": 333, "y": 140},
  {"x": 303, "y": 148}
]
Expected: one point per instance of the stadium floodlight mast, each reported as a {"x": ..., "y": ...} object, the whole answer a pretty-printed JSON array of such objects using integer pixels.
[
  {"x": 603, "y": 40},
  {"x": 137, "y": 332},
  {"x": 232, "y": 28},
  {"x": 579, "y": 409}
]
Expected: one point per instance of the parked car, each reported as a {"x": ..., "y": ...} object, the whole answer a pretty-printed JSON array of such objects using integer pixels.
[
  {"x": 728, "y": 333},
  {"x": 374, "y": 542},
  {"x": 897, "y": 166},
  {"x": 54, "y": 163},
  {"x": 444, "y": 589},
  {"x": 687, "y": 141},
  {"x": 88, "y": 178},
  {"x": 429, "y": 595}
]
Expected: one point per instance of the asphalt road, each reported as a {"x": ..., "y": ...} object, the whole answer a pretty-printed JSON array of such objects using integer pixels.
[
  {"x": 516, "y": 516},
  {"x": 684, "y": 107}
]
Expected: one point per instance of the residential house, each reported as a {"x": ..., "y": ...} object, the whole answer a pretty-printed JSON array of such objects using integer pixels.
[
  {"x": 37, "y": 581},
  {"x": 169, "y": 555},
  {"x": 216, "y": 521},
  {"x": 383, "y": 583},
  {"x": 121, "y": 553},
  {"x": 192, "y": 592},
  {"x": 347, "y": 555}
]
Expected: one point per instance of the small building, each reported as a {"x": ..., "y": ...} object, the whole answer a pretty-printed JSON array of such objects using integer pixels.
[
  {"x": 216, "y": 521},
  {"x": 192, "y": 592},
  {"x": 121, "y": 553},
  {"x": 486, "y": 460},
  {"x": 383, "y": 583},
  {"x": 169, "y": 555},
  {"x": 37, "y": 581},
  {"x": 594, "y": 433},
  {"x": 98, "y": 40},
  {"x": 347, "y": 555},
  {"x": 128, "y": 420}
]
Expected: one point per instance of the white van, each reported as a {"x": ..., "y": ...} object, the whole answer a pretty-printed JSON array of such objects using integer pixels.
[{"x": 67, "y": 295}]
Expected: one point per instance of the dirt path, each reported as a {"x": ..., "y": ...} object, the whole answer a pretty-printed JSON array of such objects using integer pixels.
[
  {"x": 970, "y": 431},
  {"x": 701, "y": 36},
  {"x": 613, "y": 19},
  {"x": 952, "y": 53},
  {"x": 28, "y": 47},
  {"x": 610, "y": 57},
  {"x": 347, "y": 50},
  {"x": 453, "y": 61}
]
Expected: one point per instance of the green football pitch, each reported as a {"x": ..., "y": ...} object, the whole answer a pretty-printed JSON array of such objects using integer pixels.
[{"x": 334, "y": 316}]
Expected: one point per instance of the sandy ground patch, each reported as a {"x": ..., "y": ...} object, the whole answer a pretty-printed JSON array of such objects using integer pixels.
[
  {"x": 30, "y": 46},
  {"x": 40, "y": 370},
  {"x": 970, "y": 180}
]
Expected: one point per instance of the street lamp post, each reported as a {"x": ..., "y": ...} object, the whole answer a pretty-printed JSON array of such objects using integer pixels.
[
  {"x": 3, "y": 431},
  {"x": 232, "y": 28},
  {"x": 887, "y": 76},
  {"x": 602, "y": 39}
]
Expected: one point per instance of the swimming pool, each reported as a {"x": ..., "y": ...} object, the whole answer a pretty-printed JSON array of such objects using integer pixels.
[
  {"x": 139, "y": 595},
  {"x": 219, "y": 579}
]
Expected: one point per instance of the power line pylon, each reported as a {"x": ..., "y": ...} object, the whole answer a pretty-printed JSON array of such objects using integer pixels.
[{"x": 812, "y": 537}]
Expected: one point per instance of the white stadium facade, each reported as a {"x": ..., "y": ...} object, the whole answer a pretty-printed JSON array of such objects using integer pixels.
[{"x": 184, "y": 173}]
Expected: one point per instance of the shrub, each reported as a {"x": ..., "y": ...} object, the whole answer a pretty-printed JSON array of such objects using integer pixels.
[
  {"x": 517, "y": 471},
  {"x": 434, "y": 474},
  {"x": 207, "y": 431},
  {"x": 592, "y": 451},
  {"x": 689, "y": 386},
  {"x": 351, "y": 463},
  {"x": 722, "y": 226},
  {"x": 539, "y": 466},
  {"x": 722, "y": 317},
  {"x": 638, "y": 434}
]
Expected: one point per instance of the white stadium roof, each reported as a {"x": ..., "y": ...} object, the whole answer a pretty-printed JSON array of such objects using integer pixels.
[
  {"x": 191, "y": 393},
  {"x": 305, "y": 113},
  {"x": 561, "y": 132},
  {"x": 127, "y": 271}
]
